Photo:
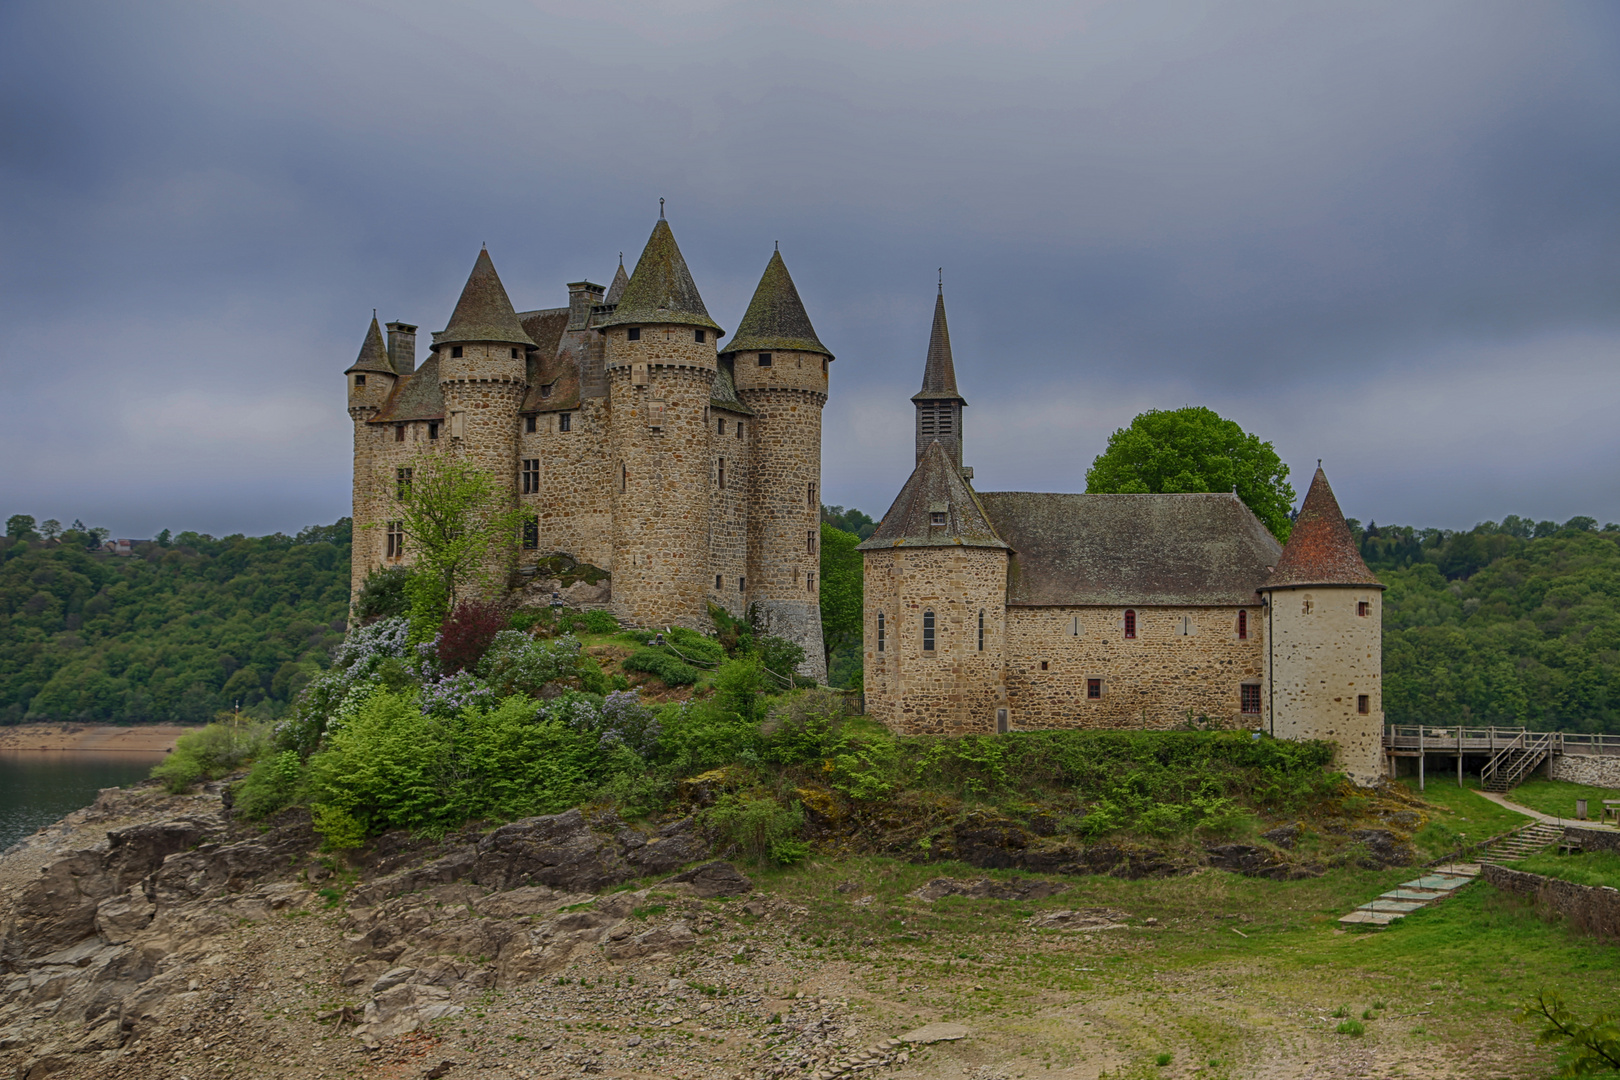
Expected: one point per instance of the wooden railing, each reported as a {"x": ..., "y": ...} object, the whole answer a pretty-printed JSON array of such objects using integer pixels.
[{"x": 1427, "y": 738}]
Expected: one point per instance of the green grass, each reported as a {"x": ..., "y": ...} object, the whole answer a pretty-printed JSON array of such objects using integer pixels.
[
  {"x": 1589, "y": 868},
  {"x": 1557, "y": 797},
  {"x": 1459, "y": 816}
]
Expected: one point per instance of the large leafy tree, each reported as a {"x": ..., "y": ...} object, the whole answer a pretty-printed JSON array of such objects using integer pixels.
[
  {"x": 1191, "y": 450},
  {"x": 840, "y": 590}
]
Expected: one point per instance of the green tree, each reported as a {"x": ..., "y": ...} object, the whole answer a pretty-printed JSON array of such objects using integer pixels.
[
  {"x": 50, "y": 528},
  {"x": 840, "y": 590},
  {"x": 850, "y": 521},
  {"x": 1191, "y": 450},
  {"x": 20, "y": 526},
  {"x": 459, "y": 531}
]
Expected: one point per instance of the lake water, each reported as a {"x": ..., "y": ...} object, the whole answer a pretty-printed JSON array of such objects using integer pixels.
[{"x": 39, "y": 786}]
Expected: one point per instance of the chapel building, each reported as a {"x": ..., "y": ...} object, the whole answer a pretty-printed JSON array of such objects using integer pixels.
[
  {"x": 998, "y": 611},
  {"x": 683, "y": 472}
]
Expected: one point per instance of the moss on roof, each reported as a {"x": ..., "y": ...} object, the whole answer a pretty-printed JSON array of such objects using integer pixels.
[
  {"x": 935, "y": 487},
  {"x": 484, "y": 312},
  {"x": 939, "y": 374},
  {"x": 551, "y": 365},
  {"x": 724, "y": 394},
  {"x": 417, "y": 397},
  {"x": 661, "y": 290},
  {"x": 373, "y": 353},
  {"x": 776, "y": 318},
  {"x": 616, "y": 290}
]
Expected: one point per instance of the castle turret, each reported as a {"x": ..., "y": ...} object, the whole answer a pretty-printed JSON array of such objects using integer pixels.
[
  {"x": 939, "y": 405},
  {"x": 780, "y": 370},
  {"x": 935, "y": 608},
  {"x": 660, "y": 362},
  {"x": 483, "y": 366},
  {"x": 1324, "y": 638},
  {"x": 371, "y": 379}
]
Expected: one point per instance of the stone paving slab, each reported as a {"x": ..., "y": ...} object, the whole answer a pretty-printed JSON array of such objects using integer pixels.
[
  {"x": 1370, "y": 918},
  {"x": 1411, "y": 895}
]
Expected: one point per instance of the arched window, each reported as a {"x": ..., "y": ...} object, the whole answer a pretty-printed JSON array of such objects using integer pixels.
[
  {"x": 1130, "y": 624},
  {"x": 1243, "y": 626},
  {"x": 880, "y": 632},
  {"x": 981, "y": 629},
  {"x": 928, "y": 630}
]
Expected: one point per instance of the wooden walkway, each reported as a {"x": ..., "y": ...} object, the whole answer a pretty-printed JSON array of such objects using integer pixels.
[{"x": 1509, "y": 755}]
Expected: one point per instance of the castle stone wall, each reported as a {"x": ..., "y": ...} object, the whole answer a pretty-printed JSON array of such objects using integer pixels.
[
  {"x": 574, "y": 506},
  {"x": 729, "y": 458},
  {"x": 1159, "y": 679},
  {"x": 1595, "y": 770},
  {"x": 1323, "y": 656}
]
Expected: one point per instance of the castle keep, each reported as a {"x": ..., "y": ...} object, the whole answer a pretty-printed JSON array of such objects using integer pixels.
[
  {"x": 998, "y": 611},
  {"x": 687, "y": 471}
]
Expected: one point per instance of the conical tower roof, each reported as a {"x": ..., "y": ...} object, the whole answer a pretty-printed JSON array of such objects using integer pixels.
[
  {"x": 616, "y": 290},
  {"x": 939, "y": 376},
  {"x": 776, "y": 318},
  {"x": 484, "y": 312},
  {"x": 661, "y": 290},
  {"x": 935, "y": 488},
  {"x": 373, "y": 353},
  {"x": 1320, "y": 550}
]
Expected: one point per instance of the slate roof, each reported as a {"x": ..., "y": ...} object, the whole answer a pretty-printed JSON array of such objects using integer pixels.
[
  {"x": 935, "y": 486},
  {"x": 373, "y": 353},
  {"x": 724, "y": 394},
  {"x": 1320, "y": 550},
  {"x": 416, "y": 397},
  {"x": 1124, "y": 550},
  {"x": 939, "y": 375},
  {"x": 661, "y": 290},
  {"x": 550, "y": 364},
  {"x": 776, "y": 318},
  {"x": 484, "y": 312},
  {"x": 616, "y": 290}
]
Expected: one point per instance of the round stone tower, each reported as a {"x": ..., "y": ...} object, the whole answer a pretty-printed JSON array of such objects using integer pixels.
[
  {"x": 660, "y": 363},
  {"x": 371, "y": 379},
  {"x": 781, "y": 369},
  {"x": 1324, "y": 639}
]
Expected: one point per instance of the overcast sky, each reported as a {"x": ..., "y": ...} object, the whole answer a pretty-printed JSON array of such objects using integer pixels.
[{"x": 1385, "y": 235}]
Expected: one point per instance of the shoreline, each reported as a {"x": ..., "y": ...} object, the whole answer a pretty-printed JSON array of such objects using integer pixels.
[{"x": 97, "y": 738}]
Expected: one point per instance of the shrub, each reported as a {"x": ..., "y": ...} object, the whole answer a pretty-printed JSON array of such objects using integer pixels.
[
  {"x": 516, "y": 663},
  {"x": 366, "y": 647},
  {"x": 695, "y": 646},
  {"x": 272, "y": 786},
  {"x": 673, "y": 672},
  {"x": 592, "y": 622},
  {"x": 466, "y": 634},
  {"x": 704, "y": 734},
  {"x": 740, "y": 687},
  {"x": 1351, "y": 1027},
  {"x": 759, "y": 827},
  {"x": 529, "y": 618},
  {"x": 779, "y": 655},
  {"x": 382, "y": 595},
  {"x": 209, "y": 754},
  {"x": 620, "y": 719}
]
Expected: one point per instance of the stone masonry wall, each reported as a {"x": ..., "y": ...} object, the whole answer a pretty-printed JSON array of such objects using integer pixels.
[
  {"x": 574, "y": 506},
  {"x": 1597, "y": 770},
  {"x": 483, "y": 389},
  {"x": 728, "y": 516},
  {"x": 1184, "y": 661},
  {"x": 955, "y": 689},
  {"x": 1323, "y": 656},
  {"x": 1594, "y": 909}
]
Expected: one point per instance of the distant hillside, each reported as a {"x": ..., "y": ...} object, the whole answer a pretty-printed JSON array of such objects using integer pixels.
[
  {"x": 1507, "y": 623},
  {"x": 175, "y": 632}
]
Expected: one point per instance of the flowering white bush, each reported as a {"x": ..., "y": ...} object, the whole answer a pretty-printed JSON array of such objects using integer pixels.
[
  {"x": 366, "y": 647},
  {"x": 516, "y": 663}
]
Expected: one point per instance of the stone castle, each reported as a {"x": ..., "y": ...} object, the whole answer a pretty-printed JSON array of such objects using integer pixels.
[
  {"x": 678, "y": 472},
  {"x": 997, "y": 611}
]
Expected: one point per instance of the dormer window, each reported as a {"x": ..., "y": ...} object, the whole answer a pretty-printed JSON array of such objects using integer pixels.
[
  {"x": 700, "y": 336},
  {"x": 633, "y": 334},
  {"x": 433, "y": 429},
  {"x": 455, "y": 352},
  {"x": 764, "y": 359},
  {"x": 546, "y": 388},
  {"x": 399, "y": 432},
  {"x": 359, "y": 380},
  {"x": 936, "y": 518}
]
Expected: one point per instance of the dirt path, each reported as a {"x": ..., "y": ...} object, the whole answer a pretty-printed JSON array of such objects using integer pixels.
[{"x": 158, "y": 738}]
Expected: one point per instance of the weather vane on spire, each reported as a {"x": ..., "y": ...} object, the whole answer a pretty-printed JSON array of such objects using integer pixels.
[
  {"x": 660, "y": 208},
  {"x": 942, "y": 281}
]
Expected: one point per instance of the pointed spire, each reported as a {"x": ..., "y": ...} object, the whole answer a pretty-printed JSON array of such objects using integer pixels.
[
  {"x": 939, "y": 375},
  {"x": 661, "y": 290},
  {"x": 1320, "y": 549},
  {"x": 484, "y": 312},
  {"x": 776, "y": 318},
  {"x": 373, "y": 352},
  {"x": 620, "y": 280},
  {"x": 936, "y": 508}
]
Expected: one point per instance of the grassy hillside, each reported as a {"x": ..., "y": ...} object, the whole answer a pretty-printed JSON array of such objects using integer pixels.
[{"x": 174, "y": 633}]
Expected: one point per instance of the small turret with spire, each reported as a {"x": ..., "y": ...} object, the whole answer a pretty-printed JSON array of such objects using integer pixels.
[{"x": 939, "y": 405}]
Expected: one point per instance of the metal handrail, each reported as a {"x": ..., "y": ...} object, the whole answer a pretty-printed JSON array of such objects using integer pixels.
[{"x": 1499, "y": 758}]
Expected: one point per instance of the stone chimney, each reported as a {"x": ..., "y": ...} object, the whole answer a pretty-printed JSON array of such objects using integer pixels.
[
  {"x": 582, "y": 296},
  {"x": 402, "y": 347}
]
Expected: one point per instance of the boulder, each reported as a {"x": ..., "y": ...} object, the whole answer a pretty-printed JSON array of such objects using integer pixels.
[
  {"x": 659, "y": 941},
  {"x": 558, "y": 850},
  {"x": 121, "y": 917},
  {"x": 713, "y": 879}
]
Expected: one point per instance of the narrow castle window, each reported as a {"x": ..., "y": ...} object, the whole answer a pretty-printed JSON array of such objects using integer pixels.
[
  {"x": 717, "y": 585},
  {"x": 514, "y": 354},
  {"x": 764, "y": 359},
  {"x": 1044, "y": 664},
  {"x": 1251, "y": 699},
  {"x": 433, "y": 429},
  {"x": 396, "y": 539},
  {"x": 565, "y": 421},
  {"x": 1363, "y": 608},
  {"x": 1186, "y": 629},
  {"x": 742, "y": 584},
  {"x": 531, "y": 533},
  {"x": 1093, "y": 689},
  {"x": 1243, "y": 626},
  {"x": 823, "y": 368},
  {"x": 722, "y": 474},
  {"x": 1363, "y": 704},
  {"x": 399, "y": 432},
  {"x": 720, "y": 428},
  {"x": 928, "y": 631},
  {"x": 981, "y": 629},
  {"x": 810, "y": 581},
  {"x": 1307, "y": 606},
  {"x": 1130, "y": 624},
  {"x": 880, "y": 632},
  {"x": 359, "y": 380},
  {"x": 700, "y": 336},
  {"x": 811, "y": 492},
  {"x": 624, "y": 476},
  {"x": 455, "y": 352},
  {"x": 531, "y": 476},
  {"x": 739, "y": 429},
  {"x": 402, "y": 484},
  {"x": 1074, "y": 626},
  {"x": 531, "y": 423},
  {"x": 633, "y": 334},
  {"x": 810, "y": 542}
]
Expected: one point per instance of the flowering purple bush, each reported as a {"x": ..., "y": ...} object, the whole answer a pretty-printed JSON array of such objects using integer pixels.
[
  {"x": 516, "y": 663},
  {"x": 621, "y": 719},
  {"x": 453, "y": 693},
  {"x": 359, "y": 654}
]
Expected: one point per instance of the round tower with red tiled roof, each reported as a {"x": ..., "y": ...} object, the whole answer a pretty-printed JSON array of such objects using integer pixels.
[{"x": 1324, "y": 639}]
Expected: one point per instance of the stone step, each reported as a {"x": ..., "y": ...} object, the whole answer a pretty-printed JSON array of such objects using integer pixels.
[{"x": 1408, "y": 896}]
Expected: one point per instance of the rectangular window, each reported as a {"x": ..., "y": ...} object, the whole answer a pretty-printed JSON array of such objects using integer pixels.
[
  {"x": 720, "y": 428},
  {"x": 1130, "y": 624},
  {"x": 1044, "y": 664},
  {"x": 1243, "y": 626},
  {"x": 359, "y": 380},
  {"x": 1093, "y": 689},
  {"x": 531, "y": 476},
  {"x": 1251, "y": 699},
  {"x": 402, "y": 483},
  {"x": 433, "y": 429},
  {"x": 742, "y": 584},
  {"x": 880, "y": 632},
  {"x": 810, "y": 542},
  {"x": 455, "y": 352},
  {"x": 1363, "y": 704},
  {"x": 633, "y": 334},
  {"x": 565, "y": 421},
  {"x": 530, "y": 423},
  {"x": 936, "y": 517},
  {"x": 399, "y": 432},
  {"x": 810, "y": 581},
  {"x": 1001, "y": 721},
  {"x": 458, "y": 424},
  {"x": 928, "y": 631},
  {"x": 514, "y": 354},
  {"x": 700, "y": 336},
  {"x": 811, "y": 492},
  {"x": 764, "y": 359},
  {"x": 655, "y": 414},
  {"x": 1363, "y": 608},
  {"x": 981, "y": 629},
  {"x": 722, "y": 474},
  {"x": 739, "y": 429},
  {"x": 717, "y": 585},
  {"x": 396, "y": 539},
  {"x": 531, "y": 533}
]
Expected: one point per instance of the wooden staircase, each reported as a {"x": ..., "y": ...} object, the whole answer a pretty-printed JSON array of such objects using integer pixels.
[
  {"x": 1510, "y": 765},
  {"x": 1527, "y": 841}
]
